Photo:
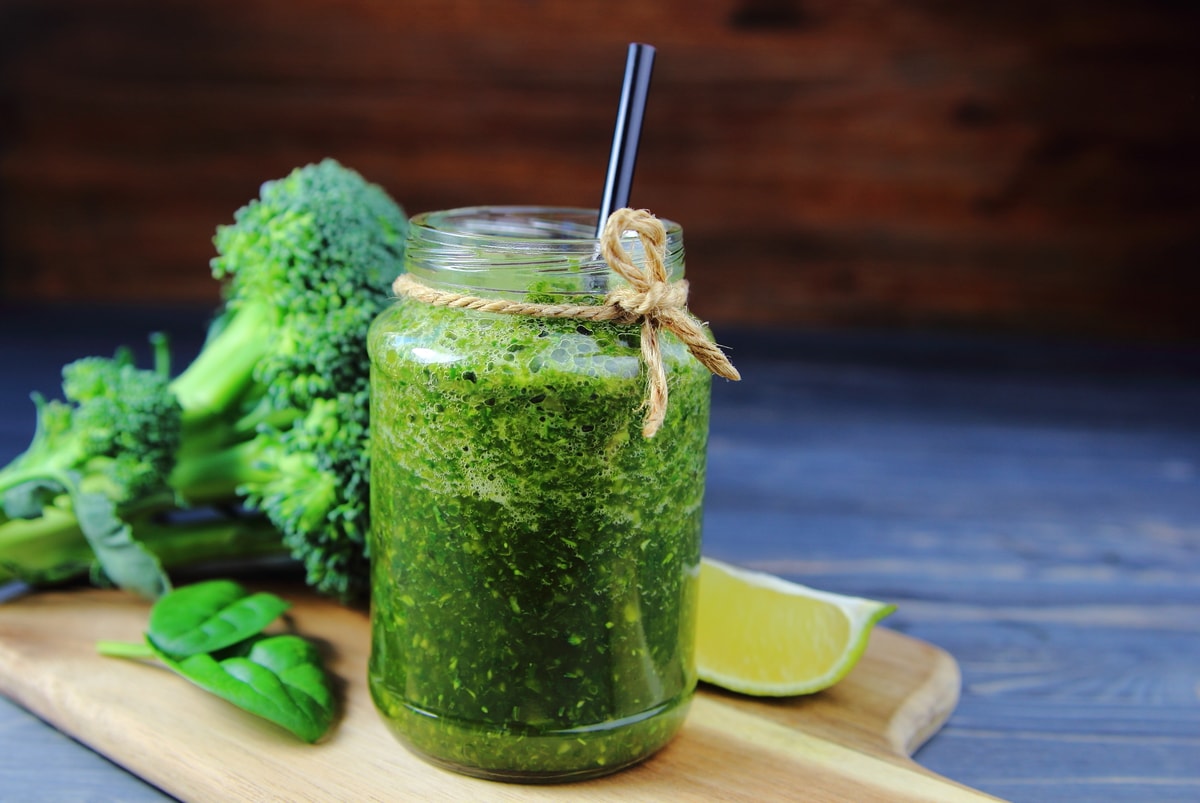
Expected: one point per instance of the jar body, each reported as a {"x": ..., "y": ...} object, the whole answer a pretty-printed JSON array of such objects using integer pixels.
[{"x": 535, "y": 559}]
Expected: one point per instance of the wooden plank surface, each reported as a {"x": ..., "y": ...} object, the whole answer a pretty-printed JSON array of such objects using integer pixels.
[
  {"x": 850, "y": 744},
  {"x": 976, "y": 164},
  {"x": 1031, "y": 505}
]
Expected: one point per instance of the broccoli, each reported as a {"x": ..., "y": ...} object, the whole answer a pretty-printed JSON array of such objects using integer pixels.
[
  {"x": 119, "y": 426},
  {"x": 107, "y": 446},
  {"x": 87, "y": 493},
  {"x": 271, "y": 416},
  {"x": 310, "y": 479},
  {"x": 274, "y": 407}
]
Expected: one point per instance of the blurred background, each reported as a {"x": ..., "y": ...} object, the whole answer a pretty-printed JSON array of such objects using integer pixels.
[{"x": 1025, "y": 166}]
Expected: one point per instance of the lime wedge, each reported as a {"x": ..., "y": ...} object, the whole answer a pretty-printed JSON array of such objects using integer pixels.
[{"x": 762, "y": 635}]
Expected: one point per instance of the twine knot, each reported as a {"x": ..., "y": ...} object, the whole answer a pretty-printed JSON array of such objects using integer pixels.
[
  {"x": 638, "y": 303},
  {"x": 657, "y": 303},
  {"x": 649, "y": 299}
]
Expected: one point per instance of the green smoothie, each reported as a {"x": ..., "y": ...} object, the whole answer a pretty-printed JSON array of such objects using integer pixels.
[{"x": 535, "y": 559}]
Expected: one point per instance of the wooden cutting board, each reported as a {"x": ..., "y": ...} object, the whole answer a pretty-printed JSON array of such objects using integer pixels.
[{"x": 849, "y": 743}]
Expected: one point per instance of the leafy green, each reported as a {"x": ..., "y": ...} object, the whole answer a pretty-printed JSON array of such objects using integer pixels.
[
  {"x": 278, "y": 678},
  {"x": 210, "y": 616},
  {"x": 211, "y": 633},
  {"x": 125, "y": 561},
  {"x": 28, "y": 499}
]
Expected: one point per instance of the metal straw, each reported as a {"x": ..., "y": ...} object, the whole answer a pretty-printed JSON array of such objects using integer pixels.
[{"x": 639, "y": 63}]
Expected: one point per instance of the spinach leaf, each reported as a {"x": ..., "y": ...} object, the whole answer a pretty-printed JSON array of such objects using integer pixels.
[
  {"x": 210, "y": 616},
  {"x": 280, "y": 679},
  {"x": 211, "y": 633}
]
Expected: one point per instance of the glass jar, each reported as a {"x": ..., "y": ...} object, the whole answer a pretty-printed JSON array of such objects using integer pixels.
[{"x": 535, "y": 558}]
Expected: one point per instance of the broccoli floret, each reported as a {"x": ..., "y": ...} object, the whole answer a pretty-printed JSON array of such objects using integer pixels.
[
  {"x": 118, "y": 422},
  {"x": 309, "y": 264},
  {"x": 104, "y": 450},
  {"x": 275, "y": 405}
]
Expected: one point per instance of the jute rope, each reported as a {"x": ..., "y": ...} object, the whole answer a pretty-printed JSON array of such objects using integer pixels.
[{"x": 649, "y": 299}]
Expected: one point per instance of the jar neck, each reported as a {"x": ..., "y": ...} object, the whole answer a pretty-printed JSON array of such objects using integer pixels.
[{"x": 521, "y": 252}]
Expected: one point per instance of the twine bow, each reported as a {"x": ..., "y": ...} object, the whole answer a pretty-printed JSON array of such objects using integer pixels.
[
  {"x": 649, "y": 299},
  {"x": 658, "y": 304}
]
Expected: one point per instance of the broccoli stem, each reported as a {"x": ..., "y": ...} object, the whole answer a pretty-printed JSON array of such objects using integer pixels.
[
  {"x": 14, "y": 475},
  {"x": 37, "y": 462},
  {"x": 206, "y": 477},
  {"x": 52, "y": 549},
  {"x": 194, "y": 543},
  {"x": 45, "y": 550},
  {"x": 224, "y": 370}
]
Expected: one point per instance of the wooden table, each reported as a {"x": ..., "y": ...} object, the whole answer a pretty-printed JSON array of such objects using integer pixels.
[{"x": 1033, "y": 508}]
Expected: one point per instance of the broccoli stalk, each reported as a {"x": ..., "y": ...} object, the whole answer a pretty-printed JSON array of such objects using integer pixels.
[
  {"x": 51, "y": 548},
  {"x": 271, "y": 416}
]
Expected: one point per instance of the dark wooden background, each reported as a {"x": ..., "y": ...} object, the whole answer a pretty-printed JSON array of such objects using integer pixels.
[{"x": 1028, "y": 166}]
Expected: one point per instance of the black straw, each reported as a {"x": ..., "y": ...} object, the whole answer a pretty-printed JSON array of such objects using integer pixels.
[{"x": 638, "y": 65}]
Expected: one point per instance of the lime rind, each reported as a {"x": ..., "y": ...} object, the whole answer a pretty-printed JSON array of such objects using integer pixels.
[{"x": 862, "y": 615}]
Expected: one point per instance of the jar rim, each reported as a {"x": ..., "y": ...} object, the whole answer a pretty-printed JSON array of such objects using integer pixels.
[
  {"x": 496, "y": 223},
  {"x": 511, "y": 251}
]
